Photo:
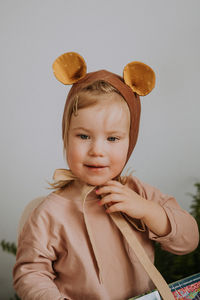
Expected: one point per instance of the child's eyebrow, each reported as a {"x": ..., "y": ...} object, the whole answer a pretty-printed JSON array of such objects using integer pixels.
[
  {"x": 113, "y": 132},
  {"x": 81, "y": 128},
  {"x": 117, "y": 132}
]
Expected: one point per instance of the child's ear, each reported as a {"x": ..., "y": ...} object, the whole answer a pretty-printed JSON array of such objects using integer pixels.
[
  {"x": 140, "y": 77},
  {"x": 69, "y": 67}
]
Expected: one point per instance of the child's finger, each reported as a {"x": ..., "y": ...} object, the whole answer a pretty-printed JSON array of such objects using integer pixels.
[
  {"x": 115, "y": 208},
  {"x": 110, "y": 198},
  {"x": 108, "y": 189}
]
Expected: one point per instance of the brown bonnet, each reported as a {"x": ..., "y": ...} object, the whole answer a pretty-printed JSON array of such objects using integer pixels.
[{"x": 138, "y": 80}]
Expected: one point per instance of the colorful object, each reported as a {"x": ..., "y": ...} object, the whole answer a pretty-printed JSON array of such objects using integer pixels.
[
  {"x": 187, "y": 288},
  {"x": 184, "y": 289}
]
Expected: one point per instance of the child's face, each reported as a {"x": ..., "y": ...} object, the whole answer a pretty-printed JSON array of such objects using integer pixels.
[{"x": 98, "y": 140}]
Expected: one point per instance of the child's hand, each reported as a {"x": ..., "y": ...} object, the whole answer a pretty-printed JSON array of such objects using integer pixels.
[{"x": 121, "y": 198}]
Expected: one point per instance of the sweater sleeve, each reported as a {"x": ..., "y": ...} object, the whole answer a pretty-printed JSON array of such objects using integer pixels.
[
  {"x": 33, "y": 272},
  {"x": 184, "y": 235}
]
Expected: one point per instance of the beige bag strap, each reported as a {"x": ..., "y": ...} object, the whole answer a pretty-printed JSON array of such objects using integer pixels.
[{"x": 149, "y": 267}]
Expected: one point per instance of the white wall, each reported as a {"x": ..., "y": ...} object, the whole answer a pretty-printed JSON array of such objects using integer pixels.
[{"x": 108, "y": 34}]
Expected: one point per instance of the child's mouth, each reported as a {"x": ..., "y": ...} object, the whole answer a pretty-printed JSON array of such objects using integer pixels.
[{"x": 95, "y": 167}]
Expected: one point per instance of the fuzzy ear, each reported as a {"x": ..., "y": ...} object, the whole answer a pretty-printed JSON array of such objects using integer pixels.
[
  {"x": 69, "y": 67},
  {"x": 140, "y": 77}
]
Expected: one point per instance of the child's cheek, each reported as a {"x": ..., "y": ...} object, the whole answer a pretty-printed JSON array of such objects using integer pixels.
[
  {"x": 118, "y": 158},
  {"x": 75, "y": 153}
]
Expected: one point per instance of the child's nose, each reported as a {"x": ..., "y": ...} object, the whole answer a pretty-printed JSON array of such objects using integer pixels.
[{"x": 96, "y": 148}]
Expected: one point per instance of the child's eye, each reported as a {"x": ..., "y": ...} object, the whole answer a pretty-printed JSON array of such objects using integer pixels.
[
  {"x": 112, "y": 138},
  {"x": 83, "y": 136}
]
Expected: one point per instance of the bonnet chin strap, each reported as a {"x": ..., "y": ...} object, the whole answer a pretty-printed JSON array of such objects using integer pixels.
[{"x": 126, "y": 230}]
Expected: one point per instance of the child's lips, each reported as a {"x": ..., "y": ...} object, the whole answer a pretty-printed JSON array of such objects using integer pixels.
[{"x": 96, "y": 167}]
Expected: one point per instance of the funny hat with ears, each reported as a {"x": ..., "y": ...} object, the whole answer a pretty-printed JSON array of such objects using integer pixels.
[{"x": 138, "y": 80}]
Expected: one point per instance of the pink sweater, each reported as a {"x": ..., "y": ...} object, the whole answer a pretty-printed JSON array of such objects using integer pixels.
[{"x": 72, "y": 250}]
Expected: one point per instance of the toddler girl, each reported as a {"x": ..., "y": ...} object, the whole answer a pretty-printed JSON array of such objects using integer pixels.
[{"x": 70, "y": 248}]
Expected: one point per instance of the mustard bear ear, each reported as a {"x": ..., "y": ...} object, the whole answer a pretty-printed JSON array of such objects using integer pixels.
[
  {"x": 140, "y": 77},
  {"x": 69, "y": 68}
]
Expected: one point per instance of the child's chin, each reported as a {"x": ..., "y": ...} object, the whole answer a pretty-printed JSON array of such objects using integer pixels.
[{"x": 97, "y": 181}]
